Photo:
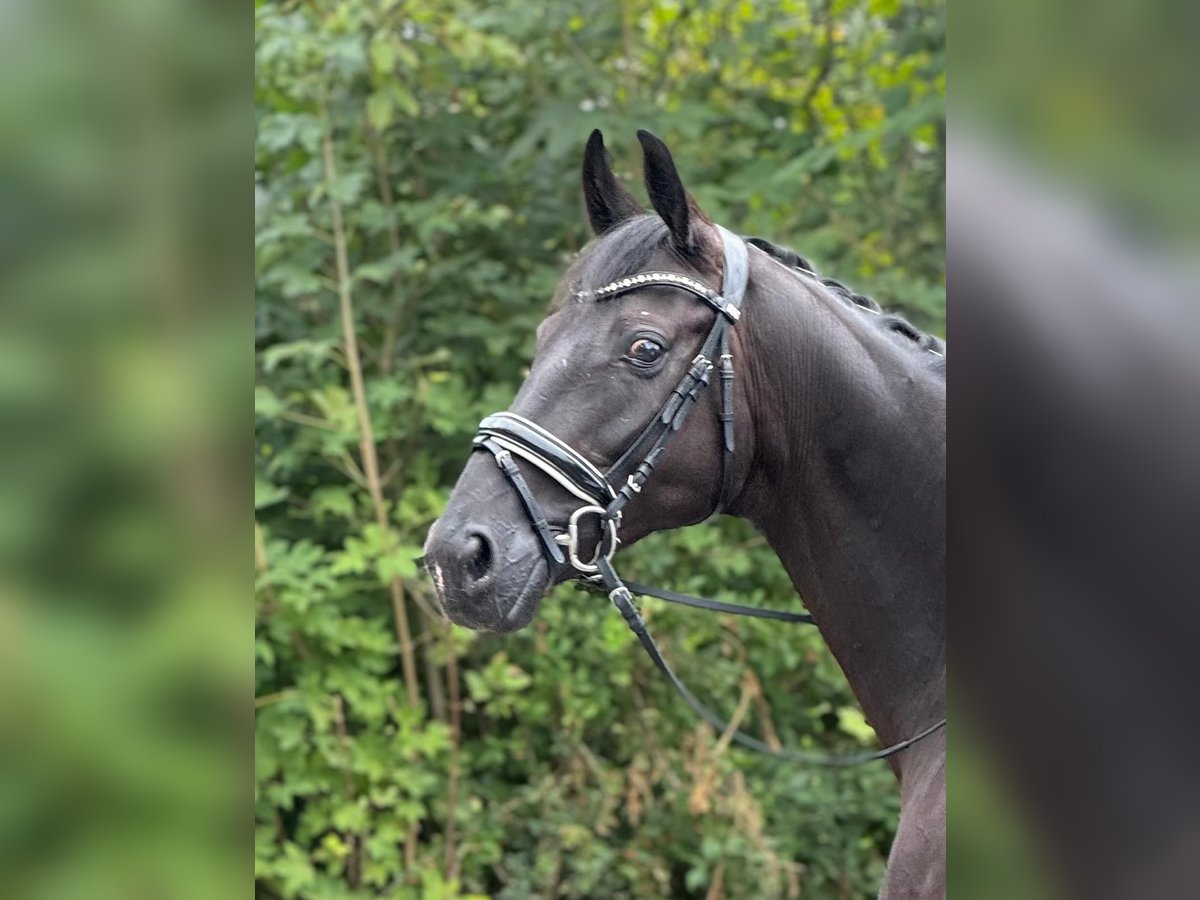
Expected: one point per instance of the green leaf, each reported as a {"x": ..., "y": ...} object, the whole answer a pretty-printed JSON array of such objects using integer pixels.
[
  {"x": 854, "y": 723},
  {"x": 383, "y": 57},
  {"x": 379, "y": 111},
  {"x": 398, "y": 564},
  {"x": 309, "y": 351},
  {"x": 404, "y": 99},
  {"x": 267, "y": 494},
  {"x": 294, "y": 871},
  {"x": 384, "y": 270},
  {"x": 350, "y": 817},
  {"x": 267, "y": 403},
  {"x": 332, "y": 500}
]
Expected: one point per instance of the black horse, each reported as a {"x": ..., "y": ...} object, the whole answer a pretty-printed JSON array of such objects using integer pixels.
[{"x": 839, "y": 425}]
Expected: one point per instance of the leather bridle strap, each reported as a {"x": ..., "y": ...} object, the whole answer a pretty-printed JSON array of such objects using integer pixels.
[
  {"x": 517, "y": 480},
  {"x": 735, "y": 609},
  {"x": 726, "y": 414},
  {"x": 507, "y": 434},
  {"x": 727, "y": 303},
  {"x": 664, "y": 426},
  {"x": 528, "y": 440},
  {"x": 621, "y": 598},
  {"x": 733, "y": 285}
]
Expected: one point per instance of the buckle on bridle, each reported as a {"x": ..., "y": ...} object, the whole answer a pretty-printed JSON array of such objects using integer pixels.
[{"x": 572, "y": 541}]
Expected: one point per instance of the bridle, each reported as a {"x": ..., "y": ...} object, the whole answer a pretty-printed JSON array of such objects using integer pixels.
[{"x": 506, "y": 435}]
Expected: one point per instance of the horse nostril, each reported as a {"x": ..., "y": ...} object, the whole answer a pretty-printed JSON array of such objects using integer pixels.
[{"x": 478, "y": 557}]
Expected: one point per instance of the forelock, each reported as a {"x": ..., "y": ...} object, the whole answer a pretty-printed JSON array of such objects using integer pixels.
[{"x": 622, "y": 252}]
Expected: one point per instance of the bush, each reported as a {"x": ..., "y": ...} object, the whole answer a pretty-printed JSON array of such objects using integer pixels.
[{"x": 395, "y": 755}]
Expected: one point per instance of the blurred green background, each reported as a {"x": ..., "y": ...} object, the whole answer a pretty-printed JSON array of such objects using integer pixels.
[
  {"x": 438, "y": 146},
  {"x": 125, "y": 315}
]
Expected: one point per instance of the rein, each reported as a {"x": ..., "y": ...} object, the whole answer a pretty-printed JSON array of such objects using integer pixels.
[{"x": 506, "y": 435}]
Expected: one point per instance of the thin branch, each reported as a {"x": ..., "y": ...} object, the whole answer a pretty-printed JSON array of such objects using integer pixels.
[
  {"x": 668, "y": 48},
  {"x": 761, "y": 706},
  {"x": 353, "y": 472},
  {"x": 354, "y": 863},
  {"x": 433, "y": 672},
  {"x": 408, "y": 657},
  {"x": 766, "y": 723},
  {"x": 311, "y": 421},
  {"x": 268, "y": 699},
  {"x": 749, "y": 689},
  {"x": 824, "y": 66},
  {"x": 260, "y": 549},
  {"x": 581, "y": 57},
  {"x": 428, "y": 611},
  {"x": 370, "y": 462},
  {"x": 716, "y": 888},
  {"x": 300, "y": 645},
  {"x": 452, "y": 679},
  {"x": 392, "y": 471},
  {"x": 395, "y": 323},
  {"x": 702, "y": 790},
  {"x": 391, "y": 329}
]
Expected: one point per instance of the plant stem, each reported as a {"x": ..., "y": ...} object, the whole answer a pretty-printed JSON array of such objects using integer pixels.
[
  {"x": 392, "y": 325},
  {"x": 455, "y": 740},
  {"x": 370, "y": 462},
  {"x": 354, "y": 862}
]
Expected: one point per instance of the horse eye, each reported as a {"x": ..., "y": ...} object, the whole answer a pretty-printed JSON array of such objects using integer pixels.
[{"x": 645, "y": 351}]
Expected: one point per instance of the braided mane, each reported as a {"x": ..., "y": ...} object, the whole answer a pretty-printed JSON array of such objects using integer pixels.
[
  {"x": 892, "y": 322},
  {"x": 626, "y": 250}
]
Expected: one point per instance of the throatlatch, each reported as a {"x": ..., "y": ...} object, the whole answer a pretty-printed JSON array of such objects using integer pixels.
[{"x": 507, "y": 434}]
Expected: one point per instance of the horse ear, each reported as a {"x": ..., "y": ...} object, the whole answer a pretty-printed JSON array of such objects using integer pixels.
[
  {"x": 608, "y": 202},
  {"x": 683, "y": 217}
]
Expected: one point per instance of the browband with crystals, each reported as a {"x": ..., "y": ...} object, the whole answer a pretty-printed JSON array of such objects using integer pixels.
[
  {"x": 672, "y": 279},
  {"x": 506, "y": 434}
]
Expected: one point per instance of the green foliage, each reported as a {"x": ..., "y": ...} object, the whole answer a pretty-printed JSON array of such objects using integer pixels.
[{"x": 455, "y": 131}]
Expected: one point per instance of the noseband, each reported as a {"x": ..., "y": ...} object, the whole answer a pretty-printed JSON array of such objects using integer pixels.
[{"x": 507, "y": 434}]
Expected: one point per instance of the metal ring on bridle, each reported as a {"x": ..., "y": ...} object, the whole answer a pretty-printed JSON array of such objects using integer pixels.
[
  {"x": 573, "y": 538},
  {"x": 506, "y": 434}
]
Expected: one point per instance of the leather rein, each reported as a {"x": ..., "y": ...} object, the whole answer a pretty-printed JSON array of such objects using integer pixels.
[{"x": 507, "y": 435}]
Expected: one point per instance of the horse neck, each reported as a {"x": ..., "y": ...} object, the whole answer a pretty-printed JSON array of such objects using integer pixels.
[{"x": 849, "y": 489}]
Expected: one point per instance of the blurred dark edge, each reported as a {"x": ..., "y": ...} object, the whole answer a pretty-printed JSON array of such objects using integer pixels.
[
  {"x": 126, "y": 146},
  {"x": 1075, "y": 491}
]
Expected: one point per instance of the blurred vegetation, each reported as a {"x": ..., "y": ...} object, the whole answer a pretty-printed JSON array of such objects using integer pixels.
[
  {"x": 124, "y": 314},
  {"x": 416, "y": 187}
]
